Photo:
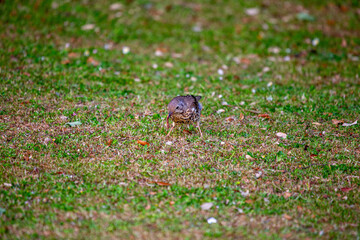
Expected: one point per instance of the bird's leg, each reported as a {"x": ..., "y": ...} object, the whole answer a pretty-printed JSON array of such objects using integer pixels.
[
  {"x": 171, "y": 129},
  {"x": 198, "y": 126}
]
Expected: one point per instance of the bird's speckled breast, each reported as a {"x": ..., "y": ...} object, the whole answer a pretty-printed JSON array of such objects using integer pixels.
[{"x": 189, "y": 116}]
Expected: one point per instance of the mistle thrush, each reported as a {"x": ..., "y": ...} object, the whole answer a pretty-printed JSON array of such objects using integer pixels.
[{"x": 184, "y": 109}]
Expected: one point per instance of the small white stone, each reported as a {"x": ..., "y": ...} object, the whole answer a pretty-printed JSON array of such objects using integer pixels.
[
  {"x": 116, "y": 6},
  {"x": 274, "y": 50},
  {"x": 158, "y": 53},
  {"x": 197, "y": 28},
  {"x": 211, "y": 220},
  {"x": 287, "y": 58},
  {"x": 244, "y": 194},
  {"x": 237, "y": 60},
  {"x": 224, "y": 67},
  {"x": 54, "y": 5},
  {"x": 281, "y": 135},
  {"x": 88, "y": 27},
  {"x": 107, "y": 46},
  {"x": 220, "y": 71},
  {"x": 258, "y": 174},
  {"x": 315, "y": 42},
  {"x": 125, "y": 50},
  {"x": 169, "y": 65},
  {"x": 206, "y": 206},
  {"x": 169, "y": 143},
  {"x": 252, "y": 11},
  {"x": 220, "y": 111}
]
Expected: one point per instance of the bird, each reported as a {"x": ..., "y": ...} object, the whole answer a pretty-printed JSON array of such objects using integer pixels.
[{"x": 185, "y": 110}]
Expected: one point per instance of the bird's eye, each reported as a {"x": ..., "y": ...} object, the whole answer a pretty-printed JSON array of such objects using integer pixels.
[{"x": 177, "y": 107}]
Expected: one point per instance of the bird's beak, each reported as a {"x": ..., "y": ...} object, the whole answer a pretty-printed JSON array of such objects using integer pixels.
[{"x": 167, "y": 120}]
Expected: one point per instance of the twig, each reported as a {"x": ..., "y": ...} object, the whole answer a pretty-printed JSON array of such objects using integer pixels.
[{"x": 252, "y": 111}]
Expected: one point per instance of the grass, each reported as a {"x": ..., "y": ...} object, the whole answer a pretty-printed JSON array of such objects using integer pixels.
[{"x": 95, "y": 180}]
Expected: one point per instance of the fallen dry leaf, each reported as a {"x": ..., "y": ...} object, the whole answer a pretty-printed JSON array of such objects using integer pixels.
[
  {"x": 287, "y": 217},
  {"x": 241, "y": 116},
  {"x": 346, "y": 189},
  {"x": 186, "y": 131},
  {"x": 73, "y": 55},
  {"x": 337, "y": 122},
  {"x": 230, "y": 119},
  {"x": 287, "y": 195},
  {"x": 65, "y": 61},
  {"x": 265, "y": 115},
  {"x": 245, "y": 61},
  {"x": 143, "y": 143},
  {"x": 92, "y": 61},
  {"x": 316, "y": 123},
  {"x": 109, "y": 142},
  {"x": 163, "y": 184},
  {"x": 249, "y": 201}
]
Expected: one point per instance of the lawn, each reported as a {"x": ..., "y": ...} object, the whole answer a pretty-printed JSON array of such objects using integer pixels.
[{"x": 84, "y": 88}]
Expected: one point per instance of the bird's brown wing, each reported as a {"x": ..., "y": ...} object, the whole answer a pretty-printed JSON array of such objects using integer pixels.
[{"x": 192, "y": 102}]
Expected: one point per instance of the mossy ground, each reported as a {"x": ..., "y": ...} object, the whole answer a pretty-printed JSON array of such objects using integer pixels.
[{"x": 66, "y": 61}]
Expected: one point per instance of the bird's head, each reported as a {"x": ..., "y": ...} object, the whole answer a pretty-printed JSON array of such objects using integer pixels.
[{"x": 176, "y": 106}]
